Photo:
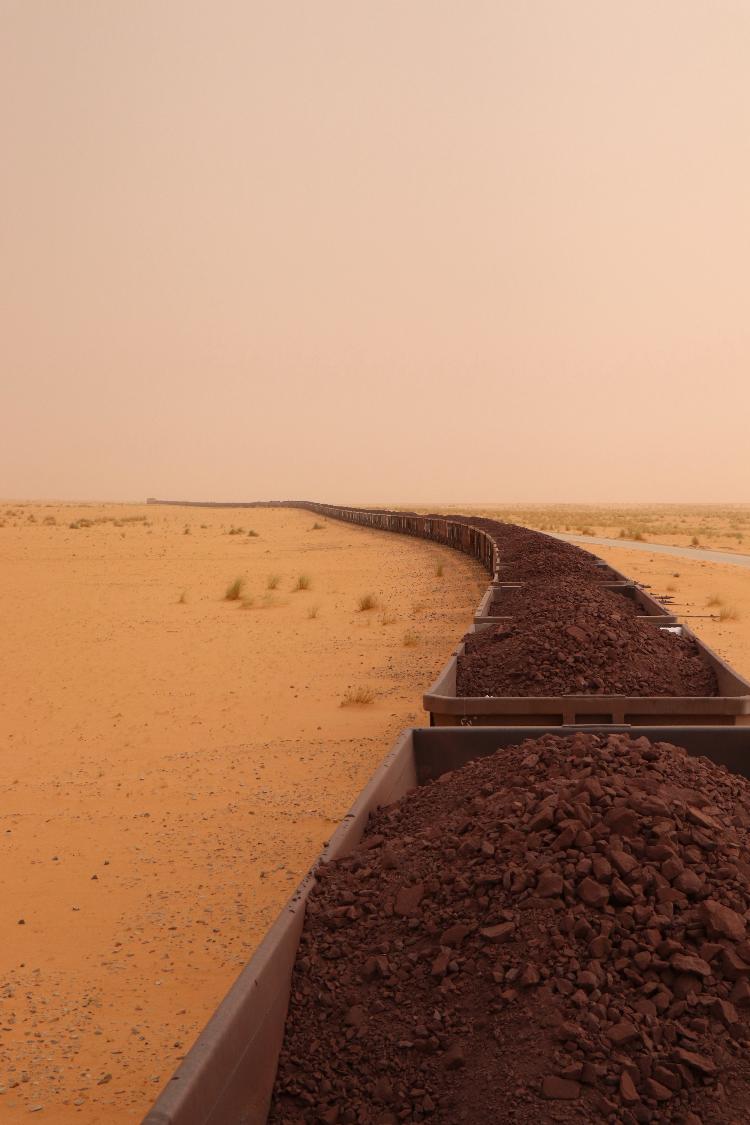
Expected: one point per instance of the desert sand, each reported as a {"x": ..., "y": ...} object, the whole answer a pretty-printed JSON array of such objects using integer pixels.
[
  {"x": 171, "y": 762},
  {"x": 701, "y": 594}
]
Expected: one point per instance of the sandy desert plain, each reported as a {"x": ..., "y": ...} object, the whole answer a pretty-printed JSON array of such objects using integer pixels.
[
  {"x": 171, "y": 761},
  {"x": 170, "y": 767}
]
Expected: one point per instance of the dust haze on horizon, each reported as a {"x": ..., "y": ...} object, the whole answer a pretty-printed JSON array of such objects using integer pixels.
[{"x": 357, "y": 252}]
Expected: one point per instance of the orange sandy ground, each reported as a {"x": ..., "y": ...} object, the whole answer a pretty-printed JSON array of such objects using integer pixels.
[
  {"x": 692, "y": 584},
  {"x": 169, "y": 770}
]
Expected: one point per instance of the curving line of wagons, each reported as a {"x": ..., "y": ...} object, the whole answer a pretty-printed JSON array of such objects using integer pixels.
[{"x": 227, "y": 1077}]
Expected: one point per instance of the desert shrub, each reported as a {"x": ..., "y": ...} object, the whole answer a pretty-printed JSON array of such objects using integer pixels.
[
  {"x": 234, "y": 590},
  {"x": 357, "y": 696}
]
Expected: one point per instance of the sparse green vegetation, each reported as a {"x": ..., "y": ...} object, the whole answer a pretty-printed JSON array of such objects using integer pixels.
[
  {"x": 234, "y": 590},
  {"x": 357, "y": 696}
]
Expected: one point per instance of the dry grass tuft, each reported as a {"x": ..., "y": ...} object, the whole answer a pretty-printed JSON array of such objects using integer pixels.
[
  {"x": 439, "y": 570},
  {"x": 272, "y": 581},
  {"x": 304, "y": 582},
  {"x": 354, "y": 697},
  {"x": 715, "y": 599},
  {"x": 182, "y": 600},
  {"x": 313, "y": 612},
  {"x": 729, "y": 613},
  {"x": 411, "y": 640},
  {"x": 387, "y": 618},
  {"x": 367, "y": 602},
  {"x": 233, "y": 592}
]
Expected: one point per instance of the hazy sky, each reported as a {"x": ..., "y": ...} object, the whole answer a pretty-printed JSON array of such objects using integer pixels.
[{"x": 371, "y": 251}]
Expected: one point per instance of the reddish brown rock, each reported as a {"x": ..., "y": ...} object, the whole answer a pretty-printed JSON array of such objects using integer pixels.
[
  {"x": 560, "y": 1089},
  {"x": 701, "y": 1063},
  {"x": 593, "y": 893},
  {"x": 722, "y": 921},
  {"x": 408, "y": 899},
  {"x": 655, "y": 1090},
  {"x": 454, "y": 935},
  {"x": 454, "y": 1056},
  {"x": 622, "y": 1033},
  {"x": 550, "y": 884},
  {"x": 624, "y": 862},
  {"x": 683, "y": 963},
  {"x": 628, "y": 1092},
  {"x": 499, "y": 934}
]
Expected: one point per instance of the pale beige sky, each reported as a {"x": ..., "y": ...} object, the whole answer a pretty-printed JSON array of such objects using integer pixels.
[{"x": 366, "y": 251}]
